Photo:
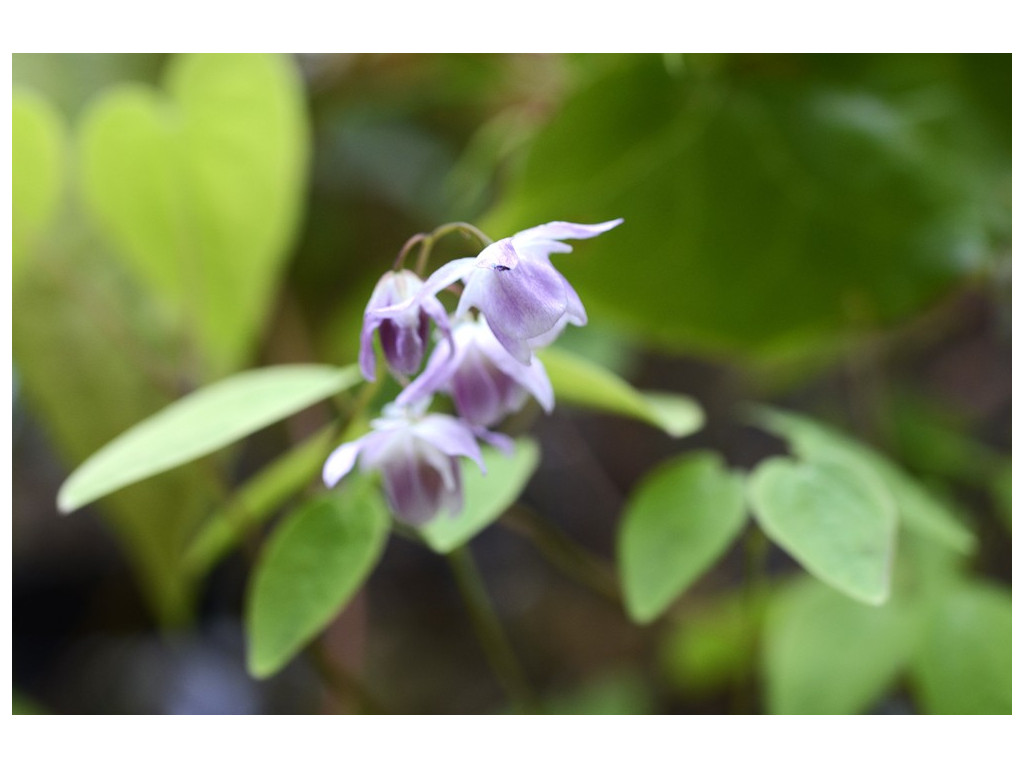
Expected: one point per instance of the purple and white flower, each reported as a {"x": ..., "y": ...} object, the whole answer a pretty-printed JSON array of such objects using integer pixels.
[
  {"x": 417, "y": 458},
  {"x": 525, "y": 300},
  {"x": 485, "y": 381},
  {"x": 404, "y": 334}
]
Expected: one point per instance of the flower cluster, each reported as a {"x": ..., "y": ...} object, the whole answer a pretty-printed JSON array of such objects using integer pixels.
[{"x": 513, "y": 302}]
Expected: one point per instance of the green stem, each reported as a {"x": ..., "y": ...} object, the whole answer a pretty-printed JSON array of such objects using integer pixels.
[
  {"x": 755, "y": 584},
  {"x": 341, "y": 682},
  {"x": 579, "y": 564},
  {"x": 488, "y": 629}
]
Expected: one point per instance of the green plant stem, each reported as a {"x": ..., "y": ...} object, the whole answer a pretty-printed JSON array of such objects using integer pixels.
[
  {"x": 341, "y": 682},
  {"x": 755, "y": 584},
  {"x": 488, "y": 629},
  {"x": 579, "y": 564}
]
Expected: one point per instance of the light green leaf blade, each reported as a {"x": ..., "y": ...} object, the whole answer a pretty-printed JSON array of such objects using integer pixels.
[
  {"x": 825, "y": 654},
  {"x": 37, "y": 169},
  {"x": 580, "y": 382},
  {"x": 200, "y": 423},
  {"x": 486, "y": 496},
  {"x": 682, "y": 518},
  {"x": 964, "y": 665},
  {"x": 200, "y": 189},
  {"x": 919, "y": 510},
  {"x": 308, "y": 571},
  {"x": 833, "y": 520}
]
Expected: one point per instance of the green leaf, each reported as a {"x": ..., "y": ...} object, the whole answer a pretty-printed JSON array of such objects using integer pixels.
[
  {"x": 579, "y": 382},
  {"x": 826, "y": 654},
  {"x": 200, "y": 423},
  {"x": 919, "y": 510},
  {"x": 744, "y": 180},
  {"x": 37, "y": 169},
  {"x": 707, "y": 649},
  {"x": 486, "y": 496},
  {"x": 258, "y": 498},
  {"x": 679, "y": 521},
  {"x": 309, "y": 570},
  {"x": 964, "y": 665},
  {"x": 622, "y": 692},
  {"x": 200, "y": 189},
  {"x": 835, "y": 521}
]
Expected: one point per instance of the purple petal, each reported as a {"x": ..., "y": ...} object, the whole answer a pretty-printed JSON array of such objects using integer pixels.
[
  {"x": 521, "y": 302},
  {"x": 532, "y": 377},
  {"x": 483, "y": 393},
  {"x": 367, "y": 358},
  {"x": 503, "y": 443},
  {"x": 414, "y": 486},
  {"x": 519, "y": 349},
  {"x": 449, "y": 435},
  {"x": 341, "y": 461},
  {"x": 500, "y": 255},
  {"x": 441, "y": 279},
  {"x": 574, "y": 307},
  {"x": 441, "y": 366},
  {"x": 564, "y": 230}
]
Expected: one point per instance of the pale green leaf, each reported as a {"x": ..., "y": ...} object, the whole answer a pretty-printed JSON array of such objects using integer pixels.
[
  {"x": 577, "y": 381},
  {"x": 199, "y": 188},
  {"x": 919, "y": 509},
  {"x": 835, "y": 521},
  {"x": 309, "y": 570},
  {"x": 486, "y": 496},
  {"x": 680, "y": 520},
  {"x": 37, "y": 169},
  {"x": 826, "y": 654},
  {"x": 964, "y": 665},
  {"x": 200, "y": 423}
]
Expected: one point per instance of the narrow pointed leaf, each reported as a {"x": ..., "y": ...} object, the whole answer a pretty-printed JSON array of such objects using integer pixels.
[
  {"x": 578, "y": 381},
  {"x": 309, "y": 570},
  {"x": 833, "y": 520},
  {"x": 200, "y": 423},
  {"x": 680, "y": 520}
]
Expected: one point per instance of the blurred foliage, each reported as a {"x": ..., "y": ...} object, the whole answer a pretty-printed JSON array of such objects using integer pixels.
[
  {"x": 774, "y": 204},
  {"x": 180, "y": 218}
]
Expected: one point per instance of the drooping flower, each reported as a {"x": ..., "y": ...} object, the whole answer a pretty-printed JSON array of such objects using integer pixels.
[
  {"x": 403, "y": 335},
  {"x": 525, "y": 300},
  {"x": 485, "y": 381},
  {"x": 417, "y": 457}
]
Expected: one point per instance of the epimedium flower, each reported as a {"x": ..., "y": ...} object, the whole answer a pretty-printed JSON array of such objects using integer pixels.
[
  {"x": 417, "y": 457},
  {"x": 403, "y": 335},
  {"x": 525, "y": 300},
  {"x": 486, "y": 382}
]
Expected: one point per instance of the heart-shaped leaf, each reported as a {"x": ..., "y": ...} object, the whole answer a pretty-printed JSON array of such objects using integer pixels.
[
  {"x": 37, "y": 169},
  {"x": 836, "y": 522},
  {"x": 200, "y": 423},
  {"x": 964, "y": 666},
  {"x": 309, "y": 570},
  {"x": 199, "y": 189},
  {"x": 825, "y": 654},
  {"x": 486, "y": 496},
  {"x": 682, "y": 518},
  {"x": 919, "y": 510}
]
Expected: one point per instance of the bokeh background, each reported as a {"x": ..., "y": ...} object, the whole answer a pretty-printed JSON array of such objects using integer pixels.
[{"x": 826, "y": 232}]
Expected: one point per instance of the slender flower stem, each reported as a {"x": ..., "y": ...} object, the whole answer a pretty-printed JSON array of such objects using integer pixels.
[
  {"x": 341, "y": 682},
  {"x": 575, "y": 561},
  {"x": 485, "y": 621}
]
